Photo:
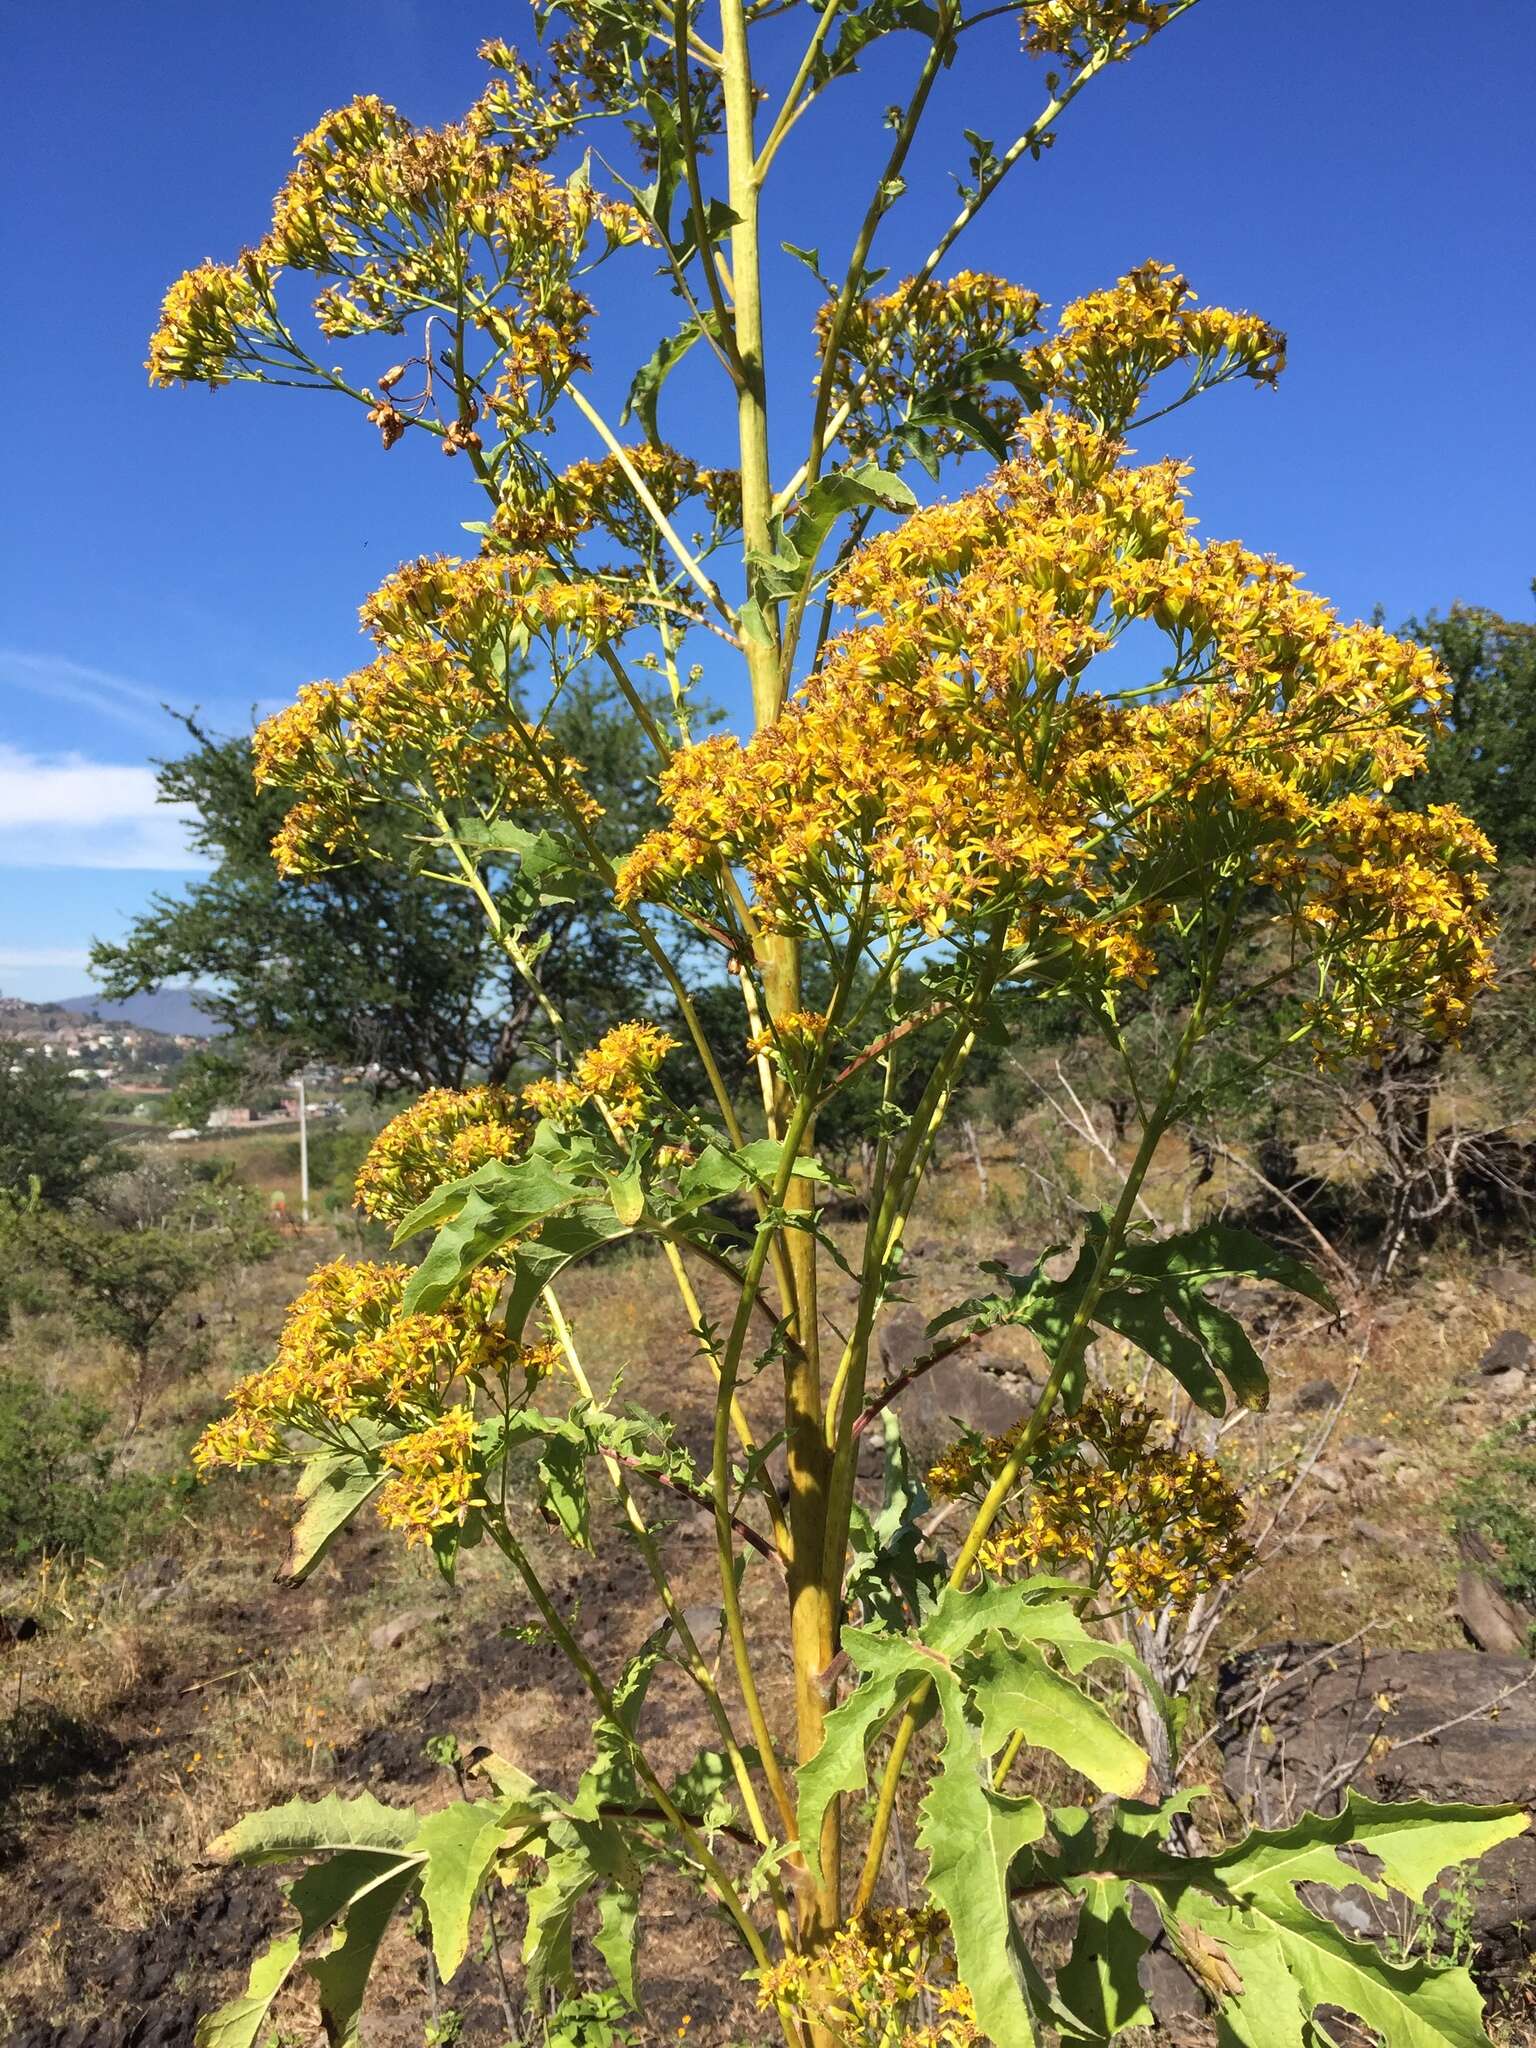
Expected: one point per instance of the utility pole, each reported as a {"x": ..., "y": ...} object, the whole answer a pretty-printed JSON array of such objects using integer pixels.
[{"x": 303, "y": 1153}]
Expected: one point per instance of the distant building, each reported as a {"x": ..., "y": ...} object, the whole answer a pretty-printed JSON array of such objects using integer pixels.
[{"x": 228, "y": 1117}]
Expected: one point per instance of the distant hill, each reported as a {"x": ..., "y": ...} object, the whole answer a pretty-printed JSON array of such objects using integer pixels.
[{"x": 176, "y": 1011}]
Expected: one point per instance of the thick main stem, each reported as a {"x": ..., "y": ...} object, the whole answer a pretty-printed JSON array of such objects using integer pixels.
[{"x": 812, "y": 1603}]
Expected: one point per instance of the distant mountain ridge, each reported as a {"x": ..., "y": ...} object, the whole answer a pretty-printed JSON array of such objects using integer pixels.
[{"x": 178, "y": 1012}]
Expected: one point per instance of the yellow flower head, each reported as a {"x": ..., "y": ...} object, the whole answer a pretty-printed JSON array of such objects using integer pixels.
[
  {"x": 1107, "y": 1492},
  {"x": 443, "y": 1136},
  {"x": 348, "y": 1353},
  {"x": 430, "y": 721},
  {"x": 950, "y": 762},
  {"x": 385, "y": 215},
  {"x": 864, "y": 1983},
  {"x": 436, "y": 1482},
  {"x": 621, "y": 1068},
  {"x": 1080, "y": 30}
]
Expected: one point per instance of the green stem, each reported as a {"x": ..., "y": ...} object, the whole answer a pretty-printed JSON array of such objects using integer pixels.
[
  {"x": 694, "y": 1663},
  {"x": 1074, "y": 1344},
  {"x": 678, "y": 1821}
]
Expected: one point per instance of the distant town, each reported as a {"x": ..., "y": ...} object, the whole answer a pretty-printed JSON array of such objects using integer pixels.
[{"x": 136, "y": 1066}]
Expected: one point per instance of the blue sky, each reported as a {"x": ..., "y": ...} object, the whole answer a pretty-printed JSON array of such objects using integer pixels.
[{"x": 1363, "y": 175}]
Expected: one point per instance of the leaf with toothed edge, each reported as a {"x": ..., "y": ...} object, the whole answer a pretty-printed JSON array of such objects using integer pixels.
[{"x": 972, "y": 1835}]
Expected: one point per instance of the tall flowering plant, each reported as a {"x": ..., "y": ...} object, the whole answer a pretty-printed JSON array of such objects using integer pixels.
[{"x": 1037, "y": 742}]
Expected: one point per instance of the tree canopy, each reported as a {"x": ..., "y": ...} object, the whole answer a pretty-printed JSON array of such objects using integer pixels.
[
  {"x": 49, "y": 1132},
  {"x": 385, "y": 965},
  {"x": 1485, "y": 757}
]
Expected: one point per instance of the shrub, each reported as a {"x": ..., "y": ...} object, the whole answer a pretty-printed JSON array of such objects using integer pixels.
[{"x": 61, "y": 1493}]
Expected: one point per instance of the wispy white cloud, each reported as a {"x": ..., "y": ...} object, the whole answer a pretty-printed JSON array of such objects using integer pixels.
[
  {"x": 64, "y": 810},
  {"x": 30, "y": 959},
  {"x": 61, "y": 680}
]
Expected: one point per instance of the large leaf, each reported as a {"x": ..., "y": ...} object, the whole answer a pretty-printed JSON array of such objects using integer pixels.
[
  {"x": 785, "y": 571},
  {"x": 1099, "y": 1982},
  {"x": 972, "y": 1836},
  {"x": 1267, "y": 1959},
  {"x": 563, "y": 1483},
  {"x": 1170, "y": 1277},
  {"x": 978, "y": 1637},
  {"x": 366, "y": 1872},
  {"x": 645, "y": 392},
  {"x": 342, "y": 1975},
  {"x": 236, "y": 2025},
  {"x": 539, "y": 1261},
  {"x": 333, "y": 1487},
  {"x": 1016, "y": 1690},
  {"x": 460, "y": 1844},
  {"x": 840, "y": 1763},
  {"x": 1139, "y": 1318},
  {"x": 1154, "y": 1296},
  {"x": 308, "y": 1827},
  {"x": 494, "y": 1204}
]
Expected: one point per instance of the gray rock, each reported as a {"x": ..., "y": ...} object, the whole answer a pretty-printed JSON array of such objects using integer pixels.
[
  {"x": 1369, "y": 1450},
  {"x": 1493, "y": 1621},
  {"x": 1299, "y": 1716},
  {"x": 389, "y": 1635},
  {"x": 1170, "y": 1990},
  {"x": 1507, "y": 1386},
  {"x": 901, "y": 1339},
  {"x": 968, "y": 1389},
  {"x": 1510, "y": 1351},
  {"x": 1018, "y": 1257},
  {"x": 962, "y": 1390},
  {"x": 1315, "y": 1394},
  {"x": 1510, "y": 1283}
]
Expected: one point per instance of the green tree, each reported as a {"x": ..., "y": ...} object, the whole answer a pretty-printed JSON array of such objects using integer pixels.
[
  {"x": 385, "y": 965},
  {"x": 129, "y": 1260},
  {"x": 1485, "y": 757},
  {"x": 49, "y": 1131}
]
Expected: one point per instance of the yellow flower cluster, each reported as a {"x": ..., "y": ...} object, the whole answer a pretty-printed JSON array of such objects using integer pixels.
[
  {"x": 798, "y": 1031},
  {"x": 539, "y": 510},
  {"x": 959, "y": 335},
  {"x": 1106, "y": 1491},
  {"x": 443, "y": 1136},
  {"x": 1109, "y": 346},
  {"x": 1396, "y": 903},
  {"x": 347, "y": 1352},
  {"x": 949, "y": 760},
  {"x": 1080, "y": 29},
  {"x": 597, "y": 65},
  {"x": 213, "y": 318},
  {"x": 392, "y": 215},
  {"x": 919, "y": 338},
  {"x": 619, "y": 1071},
  {"x": 532, "y": 113},
  {"x": 493, "y": 603},
  {"x": 436, "y": 1478},
  {"x": 621, "y": 1068},
  {"x": 429, "y": 722},
  {"x": 864, "y": 1981}
]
